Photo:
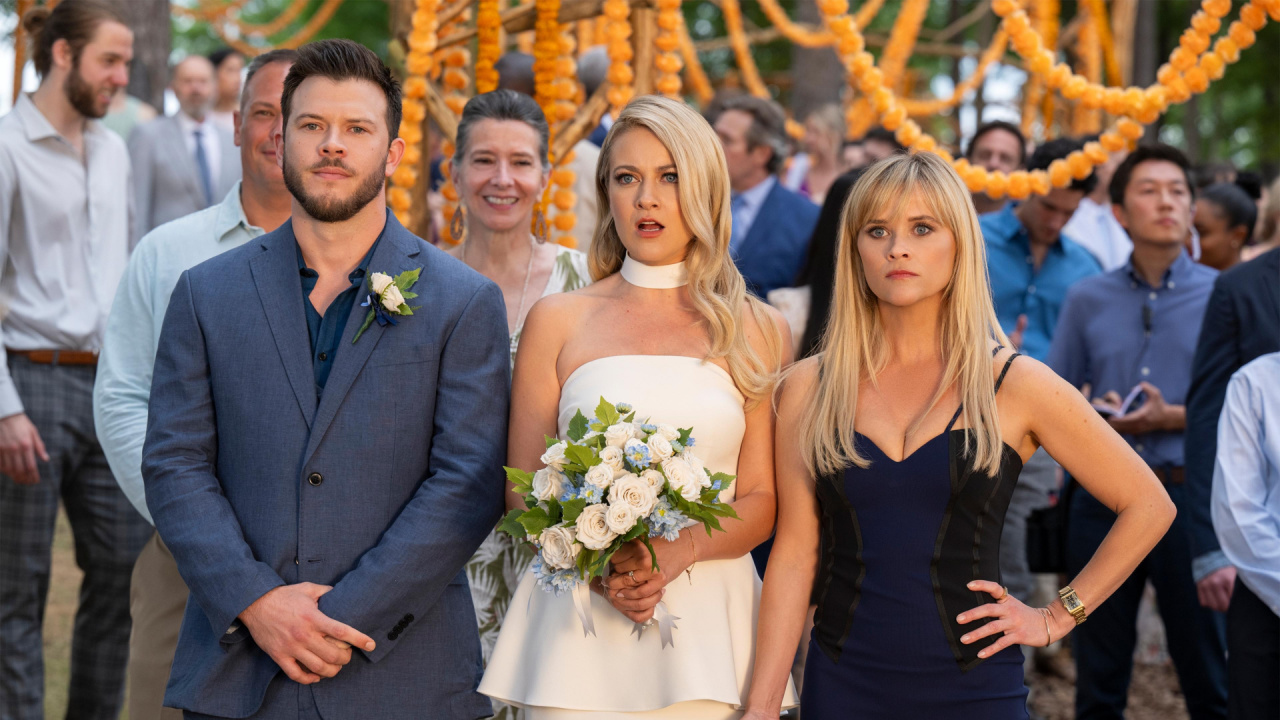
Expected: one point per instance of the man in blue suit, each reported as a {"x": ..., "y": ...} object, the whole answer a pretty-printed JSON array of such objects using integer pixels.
[
  {"x": 320, "y": 478},
  {"x": 771, "y": 224}
]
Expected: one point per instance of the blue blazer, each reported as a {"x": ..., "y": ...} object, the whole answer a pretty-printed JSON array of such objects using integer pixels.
[
  {"x": 383, "y": 488},
  {"x": 772, "y": 254}
]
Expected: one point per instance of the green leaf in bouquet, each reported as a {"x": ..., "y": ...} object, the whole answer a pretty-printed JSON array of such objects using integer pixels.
[
  {"x": 530, "y": 501},
  {"x": 595, "y": 441},
  {"x": 521, "y": 481},
  {"x": 571, "y": 509},
  {"x": 535, "y": 520},
  {"x": 607, "y": 413},
  {"x": 684, "y": 436},
  {"x": 585, "y": 559},
  {"x": 631, "y": 416},
  {"x": 511, "y": 525},
  {"x": 550, "y": 440},
  {"x": 653, "y": 556},
  {"x": 635, "y": 532},
  {"x": 597, "y": 426},
  {"x": 581, "y": 456},
  {"x": 577, "y": 426},
  {"x": 724, "y": 478},
  {"x": 553, "y": 512}
]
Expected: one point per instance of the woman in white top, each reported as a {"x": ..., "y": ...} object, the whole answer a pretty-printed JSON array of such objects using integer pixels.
[{"x": 667, "y": 327}]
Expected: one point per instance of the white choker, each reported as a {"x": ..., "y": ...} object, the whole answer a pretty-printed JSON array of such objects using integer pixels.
[{"x": 657, "y": 277}]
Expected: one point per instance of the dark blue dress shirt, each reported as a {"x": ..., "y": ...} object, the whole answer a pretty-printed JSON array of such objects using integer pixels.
[
  {"x": 1018, "y": 288},
  {"x": 326, "y": 330},
  {"x": 1116, "y": 331}
]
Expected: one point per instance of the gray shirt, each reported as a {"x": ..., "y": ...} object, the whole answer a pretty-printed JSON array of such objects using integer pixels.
[
  {"x": 123, "y": 386},
  {"x": 64, "y": 236}
]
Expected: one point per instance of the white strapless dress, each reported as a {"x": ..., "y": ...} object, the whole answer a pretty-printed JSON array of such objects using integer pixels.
[{"x": 542, "y": 661}]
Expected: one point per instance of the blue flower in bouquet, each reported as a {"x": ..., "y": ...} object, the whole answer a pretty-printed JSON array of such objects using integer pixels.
[
  {"x": 556, "y": 581},
  {"x": 665, "y": 521},
  {"x": 649, "y": 428},
  {"x": 637, "y": 454},
  {"x": 691, "y": 442},
  {"x": 717, "y": 485},
  {"x": 623, "y": 408}
]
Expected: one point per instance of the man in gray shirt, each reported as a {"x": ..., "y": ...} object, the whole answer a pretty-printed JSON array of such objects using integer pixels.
[{"x": 64, "y": 242}]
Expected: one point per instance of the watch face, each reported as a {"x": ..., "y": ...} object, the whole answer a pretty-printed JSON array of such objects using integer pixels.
[{"x": 1070, "y": 601}]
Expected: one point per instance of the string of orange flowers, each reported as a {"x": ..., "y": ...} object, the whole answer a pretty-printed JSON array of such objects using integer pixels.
[
  {"x": 667, "y": 61},
  {"x": 893, "y": 62},
  {"x": 418, "y": 62},
  {"x": 555, "y": 88},
  {"x": 617, "y": 33},
  {"x": 304, "y": 34},
  {"x": 742, "y": 49},
  {"x": 488, "y": 45},
  {"x": 694, "y": 74},
  {"x": 1089, "y": 51}
]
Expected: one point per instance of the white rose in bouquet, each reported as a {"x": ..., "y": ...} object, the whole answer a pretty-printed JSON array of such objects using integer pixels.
[
  {"x": 612, "y": 456},
  {"x": 379, "y": 282},
  {"x": 554, "y": 456},
  {"x": 668, "y": 432},
  {"x": 654, "y": 478},
  {"x": 593, "y": 527},
  {"x": 698, "y": 468},
  {"x": 548, "y": 484},
  {"x": 682, "y": 478},
  {"x": 600, "y": 475},
  {"x": 618, "y": 435},
  {"x": 621, "y": 517},
  {"x": 635, "y": 492},
  {"x": 392, "y": 299},
  {"x": 558, "y": 548},
  {"x": 660, "y": 448}
]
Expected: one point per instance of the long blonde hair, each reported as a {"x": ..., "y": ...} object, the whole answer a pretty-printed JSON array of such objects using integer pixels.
[
  {"x": 715, "y": 285},
  {"x": 853, "y": 346}
]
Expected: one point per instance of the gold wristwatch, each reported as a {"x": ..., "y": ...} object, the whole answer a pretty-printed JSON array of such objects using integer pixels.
[{"x": 1072, "y": 603}]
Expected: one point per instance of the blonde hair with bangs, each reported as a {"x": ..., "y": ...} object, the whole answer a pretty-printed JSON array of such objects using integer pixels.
[
  {"x": 853, "y": 346},
  {"x": 715, "y": 285}
]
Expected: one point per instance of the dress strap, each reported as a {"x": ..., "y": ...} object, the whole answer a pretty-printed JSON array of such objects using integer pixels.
[{"x": 1005, "y": 371}]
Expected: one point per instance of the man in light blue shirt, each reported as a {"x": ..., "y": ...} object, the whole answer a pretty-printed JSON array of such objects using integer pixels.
[
  {"x": 258, "y": 204},
  {"x": 1246, "y": 518}
]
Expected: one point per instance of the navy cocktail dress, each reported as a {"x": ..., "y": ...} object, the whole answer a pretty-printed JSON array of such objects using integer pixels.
[{"x": 899, "y": 543}]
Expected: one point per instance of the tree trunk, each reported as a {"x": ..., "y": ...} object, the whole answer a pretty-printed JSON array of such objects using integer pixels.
[
  {"x": 149, "y": 20},
  {"x": 823, "y": 79}
]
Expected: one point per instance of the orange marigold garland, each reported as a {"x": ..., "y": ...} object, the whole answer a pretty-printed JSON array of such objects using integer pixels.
[
  {"x": 555, "y": 88},
  {"x": 419, "y": 62},
  {"x": 742, "y": 49},
  {"x": 999, "y": 44},
  {"x": 668, "y": 62},
  {"x": 617, "y": 33},
  {"x": 488, "y": 45},
  {"x": 694, "y": 74}
]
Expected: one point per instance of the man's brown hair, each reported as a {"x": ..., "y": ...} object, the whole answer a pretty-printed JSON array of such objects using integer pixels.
[
  {"x": 339, "y": 60},
  {"x": 75, "y": 21}
]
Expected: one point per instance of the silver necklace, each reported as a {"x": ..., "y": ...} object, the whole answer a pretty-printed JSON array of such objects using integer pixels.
[{"x": 524, "y": 291}]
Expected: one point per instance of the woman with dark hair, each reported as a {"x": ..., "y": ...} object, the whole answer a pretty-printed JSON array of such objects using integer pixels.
[
  {"x": 1225, "y": 216},
  {"x": 500, "y": 169}
]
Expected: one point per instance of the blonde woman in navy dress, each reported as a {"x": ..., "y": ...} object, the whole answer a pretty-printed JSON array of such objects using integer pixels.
[{"x": 897, "y": 450}]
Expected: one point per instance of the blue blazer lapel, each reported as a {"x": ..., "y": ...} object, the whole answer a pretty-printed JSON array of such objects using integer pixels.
[
  {"x": 761, "y": 228},
  {"x": 275, "y": 272},
  {"x": 394, "y": 255}
]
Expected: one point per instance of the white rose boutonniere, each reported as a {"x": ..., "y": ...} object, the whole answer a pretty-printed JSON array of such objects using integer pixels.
[
  {"x": 388, "y": 299},
  {"x": 593, "y": 527}
]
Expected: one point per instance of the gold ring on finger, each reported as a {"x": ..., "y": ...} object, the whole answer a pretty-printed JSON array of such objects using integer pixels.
[{"x": 1003, "y": 595}]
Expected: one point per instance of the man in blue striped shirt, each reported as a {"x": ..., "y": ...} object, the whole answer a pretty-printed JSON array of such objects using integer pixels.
[{"x": 1136, "y": 328}]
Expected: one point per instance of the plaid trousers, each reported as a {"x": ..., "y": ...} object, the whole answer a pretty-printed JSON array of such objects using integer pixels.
[{"x": 108, "y": 532}]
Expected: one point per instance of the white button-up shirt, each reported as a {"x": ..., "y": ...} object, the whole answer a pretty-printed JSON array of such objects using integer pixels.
[
  {"x": 123, "y": 386},
  {"x": 1094, "y": 227},
  {"x": 1246, "y": 478},
  {"x": 64, "y": 236}
]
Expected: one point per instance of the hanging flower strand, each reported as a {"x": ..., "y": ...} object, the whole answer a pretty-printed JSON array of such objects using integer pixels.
[
  {"x": 668, "y": 62},
  {"x": 488, "y": 45},
  {"x": 419, "y": 62}
]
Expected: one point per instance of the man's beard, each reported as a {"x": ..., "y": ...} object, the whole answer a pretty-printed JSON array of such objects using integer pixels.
[
  {"x": 82, "y": 95},
  {"x": 332, "y": 211}
]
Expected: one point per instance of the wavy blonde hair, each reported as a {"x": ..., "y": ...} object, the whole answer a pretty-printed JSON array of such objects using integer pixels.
[
  {"x": 715, "y": 285},
  {"x": 853, "y": 346}
]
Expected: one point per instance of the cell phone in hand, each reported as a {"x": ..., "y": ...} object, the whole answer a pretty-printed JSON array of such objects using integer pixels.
[{"x": 1134, "y": 400}]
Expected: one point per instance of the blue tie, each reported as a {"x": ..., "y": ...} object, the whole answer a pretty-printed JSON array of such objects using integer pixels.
[
  {"x": 736, "y": 207},
  {"x": 202, "y": 167}
]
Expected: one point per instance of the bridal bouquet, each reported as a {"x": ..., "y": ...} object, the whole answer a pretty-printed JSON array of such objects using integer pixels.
[{"x": 612, "y": 481}]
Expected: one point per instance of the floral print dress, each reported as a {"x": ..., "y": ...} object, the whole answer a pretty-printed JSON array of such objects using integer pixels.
[{"x": 495, "y": 570}]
